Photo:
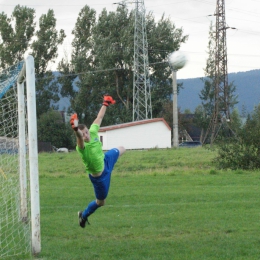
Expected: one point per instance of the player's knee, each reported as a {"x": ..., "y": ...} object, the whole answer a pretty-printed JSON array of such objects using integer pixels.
[
  {"x": 121, "y": 149},
  {"x": 100, "y": 202}
]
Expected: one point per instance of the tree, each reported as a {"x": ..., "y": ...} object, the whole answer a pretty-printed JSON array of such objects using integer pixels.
[
  {"x": 235, "y": 122},
  {"x": 16, "y": 32},
  {"x": 105, "y": 65},
  {"x": 250, "y": 132},
  {"x": 51, "y": 128},
  {"x": 116, "y": 30},
  {"x": 201, "y": 120},
  {"x": 45, "y": 51},
  {"x": 81, "y": 92},
  {"x": 204, "y": 112}
]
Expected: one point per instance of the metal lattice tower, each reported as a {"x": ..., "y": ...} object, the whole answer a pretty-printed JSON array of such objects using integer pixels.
[
  {"x": 142, "y": 108},
  {"x": 221, "y": 94}
]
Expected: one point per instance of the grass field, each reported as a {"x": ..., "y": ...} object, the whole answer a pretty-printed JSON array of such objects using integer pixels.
[{"x": 163, "y": 204}]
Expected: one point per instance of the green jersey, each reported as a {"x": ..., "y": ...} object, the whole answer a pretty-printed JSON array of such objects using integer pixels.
[{"x": 92, "y": 155}]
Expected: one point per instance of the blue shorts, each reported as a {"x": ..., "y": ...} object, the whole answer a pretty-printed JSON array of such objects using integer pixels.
[{"x": 101, "y": 183}]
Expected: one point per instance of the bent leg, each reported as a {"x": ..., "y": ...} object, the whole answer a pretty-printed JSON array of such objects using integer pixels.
[{"x": 101, "y": 188}]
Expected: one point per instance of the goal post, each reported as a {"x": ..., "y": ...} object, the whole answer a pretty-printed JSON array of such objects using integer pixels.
[
  {"x": 19, "y": 205},
  {"x": 29, "y": 78},
  {"x": 22, "y": 145}
]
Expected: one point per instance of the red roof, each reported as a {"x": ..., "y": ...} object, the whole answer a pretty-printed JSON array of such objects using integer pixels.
[{"x": 141, "y": 122}]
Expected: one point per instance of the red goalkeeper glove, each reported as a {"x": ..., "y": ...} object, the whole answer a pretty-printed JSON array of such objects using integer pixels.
[
  {"x": 108, "y": 100},
  {"x": 74, "y": 122}
]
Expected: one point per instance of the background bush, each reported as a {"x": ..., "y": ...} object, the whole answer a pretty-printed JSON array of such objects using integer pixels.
[
  {"x": 51, "y": 128},
  {"x": 243, "y": 150}
]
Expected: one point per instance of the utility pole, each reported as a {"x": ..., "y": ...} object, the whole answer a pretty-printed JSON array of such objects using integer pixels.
[
  {"x": 142, "y": 108},
  {"x": 177, "y": 60},
  {"x": 175, "y": 140},
  {"x": 221, "y": 92}
]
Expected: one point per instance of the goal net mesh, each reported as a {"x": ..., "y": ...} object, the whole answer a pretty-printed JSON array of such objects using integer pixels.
[{"x": 14, "y": 230}]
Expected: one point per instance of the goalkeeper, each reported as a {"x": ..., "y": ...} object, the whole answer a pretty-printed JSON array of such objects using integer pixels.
[{"x": 98, "y": 165}]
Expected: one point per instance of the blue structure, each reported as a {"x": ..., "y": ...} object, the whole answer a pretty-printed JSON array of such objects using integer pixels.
[{"x": 9, "y": 77}]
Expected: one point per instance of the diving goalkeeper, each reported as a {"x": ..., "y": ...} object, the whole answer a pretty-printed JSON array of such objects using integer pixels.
[{"x": 98, "y": 165}]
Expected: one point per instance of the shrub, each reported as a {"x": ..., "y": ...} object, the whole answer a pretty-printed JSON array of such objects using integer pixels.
[
  {"x": 238, "y": 155},
  {"x": 243, "y": 151},
  {"x": 51, "y": 128}
]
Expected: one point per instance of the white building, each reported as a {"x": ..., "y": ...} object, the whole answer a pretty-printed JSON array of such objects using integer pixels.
[{"x": 144, "y": 134}]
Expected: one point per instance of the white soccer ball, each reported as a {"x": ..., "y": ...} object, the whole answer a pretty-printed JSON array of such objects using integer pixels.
[{"x": 177, "y": 60}]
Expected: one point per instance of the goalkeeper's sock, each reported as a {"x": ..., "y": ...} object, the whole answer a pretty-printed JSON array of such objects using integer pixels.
[{"x": 92, "y": 206}]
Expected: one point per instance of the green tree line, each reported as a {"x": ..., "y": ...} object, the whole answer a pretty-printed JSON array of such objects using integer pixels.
[{"x": 101, "y": 60}]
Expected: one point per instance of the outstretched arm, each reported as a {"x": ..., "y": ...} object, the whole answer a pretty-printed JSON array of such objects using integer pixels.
[
  {"x": 83, "y": 134},
  {"x": 80, "y": 139},
  {"x": 100, "y": 115},
  {"x": 74, "y": 124},
  {"x": 107, "y": 101}
]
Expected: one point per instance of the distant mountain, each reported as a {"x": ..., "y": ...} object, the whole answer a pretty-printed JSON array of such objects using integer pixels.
[{"x": 247, "y": 89}]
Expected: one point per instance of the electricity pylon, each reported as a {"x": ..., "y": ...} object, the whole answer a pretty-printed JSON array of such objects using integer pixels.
[
  {"x": 142, "y": 108},
  {"x": 221, "y": 111}
]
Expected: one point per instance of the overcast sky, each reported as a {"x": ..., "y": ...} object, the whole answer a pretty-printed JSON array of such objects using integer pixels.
[{"x": 243, "y": 43}]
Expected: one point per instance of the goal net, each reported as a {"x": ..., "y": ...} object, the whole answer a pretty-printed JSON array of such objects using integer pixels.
[{"x": 19, "y": 205}]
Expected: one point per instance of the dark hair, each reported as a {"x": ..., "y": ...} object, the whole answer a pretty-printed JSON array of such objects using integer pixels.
[{"x": 82, "y": 126}]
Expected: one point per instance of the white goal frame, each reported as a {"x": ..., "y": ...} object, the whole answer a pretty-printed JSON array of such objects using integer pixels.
[{"x": 27, "y": 75}]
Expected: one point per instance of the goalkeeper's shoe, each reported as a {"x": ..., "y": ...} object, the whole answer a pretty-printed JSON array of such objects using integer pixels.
[{"x": 82, "y": 221}]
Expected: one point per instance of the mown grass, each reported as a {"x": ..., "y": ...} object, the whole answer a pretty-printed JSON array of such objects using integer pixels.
[
  {"x": 163, "y": 204},
  {"x": 153, "y": 161}
]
